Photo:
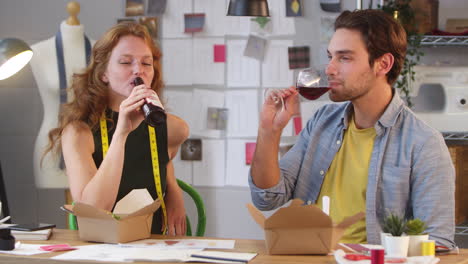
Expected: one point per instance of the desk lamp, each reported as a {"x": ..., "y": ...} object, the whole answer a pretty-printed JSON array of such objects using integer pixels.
[
  {"x": 258, "y": 8},
  {"x": 14, "y": 55}
]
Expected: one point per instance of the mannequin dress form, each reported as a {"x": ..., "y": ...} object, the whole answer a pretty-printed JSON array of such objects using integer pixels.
[{"x": 45, "y": 68}]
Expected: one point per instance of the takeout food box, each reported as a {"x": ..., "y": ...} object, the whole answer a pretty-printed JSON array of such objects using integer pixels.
[
  {"x": 131, "y": 219},
  {"x": 301, "y": 229}
]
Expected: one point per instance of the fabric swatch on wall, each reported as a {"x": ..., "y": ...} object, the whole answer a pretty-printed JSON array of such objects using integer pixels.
[
  {"x": 194, "y": 22},
  {"x": 299, "y": 57}
]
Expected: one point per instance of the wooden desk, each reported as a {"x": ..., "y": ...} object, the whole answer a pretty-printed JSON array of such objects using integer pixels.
[{"x": 242, "y": 245}]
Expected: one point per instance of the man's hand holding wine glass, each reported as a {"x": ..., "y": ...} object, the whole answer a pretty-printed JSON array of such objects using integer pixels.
[
  {"x": 278, "y": 108},
  {"x": 282, "y": 104}
]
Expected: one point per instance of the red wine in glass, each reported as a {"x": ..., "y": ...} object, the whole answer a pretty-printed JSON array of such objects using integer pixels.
[
  {"x": 312, "y": 93},
  {"x": 312, "y": 82}
]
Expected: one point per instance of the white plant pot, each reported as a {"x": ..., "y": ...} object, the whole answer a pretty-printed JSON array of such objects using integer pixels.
[
  {"x": 414, "y": 248},
  {"x": 382, "y": 238},
  {"x": 396, "y": 246}
]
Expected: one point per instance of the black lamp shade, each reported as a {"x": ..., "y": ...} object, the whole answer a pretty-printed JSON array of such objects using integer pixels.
[
  {"x": 14, "y": 55},
  {"x": 258, "y": 8}
]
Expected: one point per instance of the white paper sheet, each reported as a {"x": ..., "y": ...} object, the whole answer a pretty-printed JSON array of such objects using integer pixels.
[
  {"x": 179, "y": 103},
  {"x": 119, "y": 253},
  {"x": 205, "y": 70},
  {"x": 182, "y": 243},
  {"x": 173, "y": 19},
  {"x": 146, "y": 254},
  {"x": 201, "y": 100},
  {"x": 99, "y": 252},
  {"x": 25, "y": 249},
  {"x": 177, "y": 61},
  {"x": 215, "y": 14},
  {"x": 242, "y": 71},
  {"x": 275, "y": 67},
  {"x": 236, "y": 169},
  {"x": 327, "y": 28},
  {"x": 243, "y": 113},
  {"x": 282, "y": 25},
  {"x": 210, "y": 170}
]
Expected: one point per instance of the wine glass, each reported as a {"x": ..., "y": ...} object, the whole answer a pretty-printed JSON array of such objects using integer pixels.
[
  {"x": 275, "y": 96},
  {"x": 312, "y": 82}
]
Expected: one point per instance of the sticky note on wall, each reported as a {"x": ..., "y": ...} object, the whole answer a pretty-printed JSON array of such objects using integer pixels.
[{"x": 219, "y": 53}]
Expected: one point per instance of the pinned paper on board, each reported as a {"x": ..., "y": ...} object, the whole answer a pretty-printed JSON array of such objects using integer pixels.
[
  {"x": 299, "y": 57},
  {"x": 249, "y": 152},
  {"x": 293, "y": 8},
  {"x": 156, "y": 7},
  {"x": 327, "y": 28},
  {"x": 134, "y": 8},
  {"x": 191, "y": 149},
  {"x": 217, "y": 118},
  {"x": 219, "y": 53},
  {"x": 194, "y": 22},
  {"x": 255, "y": 47}
]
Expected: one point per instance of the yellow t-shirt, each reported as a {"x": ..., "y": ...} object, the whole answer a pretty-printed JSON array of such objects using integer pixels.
[{"x": 346, "y": 180}]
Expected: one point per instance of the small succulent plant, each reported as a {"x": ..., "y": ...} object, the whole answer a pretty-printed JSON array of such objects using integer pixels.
[
  {"x": 394, "y": 224},
  {"x": 415, "y": 227}
]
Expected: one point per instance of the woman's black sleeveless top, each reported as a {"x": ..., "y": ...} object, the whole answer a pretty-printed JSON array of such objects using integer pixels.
[{"x": 137, "y": 169}]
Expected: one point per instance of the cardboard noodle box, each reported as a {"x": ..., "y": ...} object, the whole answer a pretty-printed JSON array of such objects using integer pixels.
[
  {"x": 131, "y": 219},
  {"x": 301, "y": 229}
]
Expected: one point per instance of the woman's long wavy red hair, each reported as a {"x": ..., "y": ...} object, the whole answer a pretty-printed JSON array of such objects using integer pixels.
[{"x": 90, "y": 92}]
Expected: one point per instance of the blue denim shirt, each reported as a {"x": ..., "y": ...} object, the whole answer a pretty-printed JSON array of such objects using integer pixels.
[{"x": 410, "y": 171}]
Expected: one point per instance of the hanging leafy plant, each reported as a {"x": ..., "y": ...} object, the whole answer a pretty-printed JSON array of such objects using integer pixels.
[{"x": 402, "y": 10}]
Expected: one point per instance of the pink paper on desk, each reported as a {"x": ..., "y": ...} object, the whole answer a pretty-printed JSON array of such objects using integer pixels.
[
  {"x": 219, "y": 53},
  {"x": 57, "y": 247}
]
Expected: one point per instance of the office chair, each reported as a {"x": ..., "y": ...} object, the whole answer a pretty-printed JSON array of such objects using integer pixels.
[{"x": 197, "y": 199}]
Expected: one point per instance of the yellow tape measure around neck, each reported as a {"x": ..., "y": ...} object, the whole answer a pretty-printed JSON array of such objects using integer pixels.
[{"x": 154, "y": 161}]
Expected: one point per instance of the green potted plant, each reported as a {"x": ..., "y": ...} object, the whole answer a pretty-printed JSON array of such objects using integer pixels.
[
  {"x": 415, "y": 230},
  {"x": 396, "y": 243},
  {"x": 402, "y": 10}
]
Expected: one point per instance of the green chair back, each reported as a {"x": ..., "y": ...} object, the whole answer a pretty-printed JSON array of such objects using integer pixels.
[{"x": 197, "y": 199}]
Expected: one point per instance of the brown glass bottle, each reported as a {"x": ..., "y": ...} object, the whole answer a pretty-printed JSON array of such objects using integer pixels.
[{"x": 153, "y": 110}]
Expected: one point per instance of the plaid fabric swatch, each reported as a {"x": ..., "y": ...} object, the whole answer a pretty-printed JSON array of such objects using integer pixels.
[
  {"x": 299, "y": 57},
  {"x": 194, "y": 22}
]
